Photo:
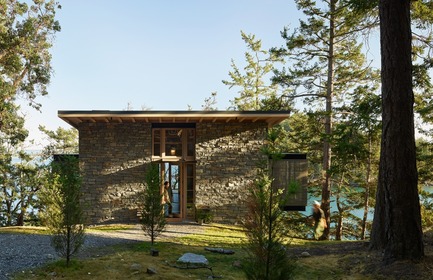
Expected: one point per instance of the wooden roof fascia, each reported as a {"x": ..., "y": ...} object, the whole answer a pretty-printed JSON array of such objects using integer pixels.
[
  {"x": 73, "y": 122},
  {"x": 76, "y": 117}
]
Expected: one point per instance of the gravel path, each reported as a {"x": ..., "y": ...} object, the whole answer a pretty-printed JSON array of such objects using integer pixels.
[{"x": 23, "y": 251}]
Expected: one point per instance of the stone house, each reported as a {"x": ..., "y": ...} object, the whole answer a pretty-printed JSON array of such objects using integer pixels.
[{"x": 209, "y": 157}]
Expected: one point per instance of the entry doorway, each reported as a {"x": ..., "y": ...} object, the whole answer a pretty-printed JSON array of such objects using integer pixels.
[
  {"x": 173, "y": 146},
  {"x": 170, "y": 172},
  {"x": 181, "y": 177}
]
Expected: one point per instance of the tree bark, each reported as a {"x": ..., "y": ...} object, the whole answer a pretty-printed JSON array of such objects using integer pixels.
[
  {"x": 397, "y": 219},
  {"x": 327, "y": 150}
]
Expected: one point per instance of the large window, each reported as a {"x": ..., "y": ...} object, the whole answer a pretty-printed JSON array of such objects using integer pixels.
[{"x": 173, "y": 143}]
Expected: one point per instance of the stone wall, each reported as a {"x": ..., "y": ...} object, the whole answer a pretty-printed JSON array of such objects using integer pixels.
[
  {"x": 227, "y": 156},
  {"x": 113, "y": 158}
]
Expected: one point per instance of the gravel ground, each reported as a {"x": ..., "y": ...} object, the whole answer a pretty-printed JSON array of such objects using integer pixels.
[{"x": 24, "y": 251}]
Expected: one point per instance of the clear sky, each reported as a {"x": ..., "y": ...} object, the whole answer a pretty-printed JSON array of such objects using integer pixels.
[{"x": 164, "y": 55}]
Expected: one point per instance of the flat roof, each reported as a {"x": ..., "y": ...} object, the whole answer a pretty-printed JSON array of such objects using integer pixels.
[{"x": 74, "y": 118}]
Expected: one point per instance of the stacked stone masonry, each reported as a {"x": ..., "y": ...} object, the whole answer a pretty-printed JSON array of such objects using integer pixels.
[{"x": 113, "y": 158}]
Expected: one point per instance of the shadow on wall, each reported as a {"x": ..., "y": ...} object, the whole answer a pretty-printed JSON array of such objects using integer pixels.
[{"x": 112, "y": 197}]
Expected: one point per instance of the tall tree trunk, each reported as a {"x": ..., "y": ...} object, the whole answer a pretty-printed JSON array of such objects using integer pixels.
[
  {"x": 397, "y": 219},
  {"x": 326, "y": 185}
]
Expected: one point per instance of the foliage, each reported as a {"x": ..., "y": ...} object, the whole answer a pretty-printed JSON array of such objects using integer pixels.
[
  {"x": 264, "y": 225},
  {"x": 27, "y": 29},
  {"x": 422, "y": 59},
  {"x": 355, "y": 146},
  {"x": 210, "y": 103},
  {"x": 256, "y": 92},
  {"x": 20, "y": 172},
  {"x": 62, "y": 212},
  {"x": 152, "y": 215},
  {"x": 424, "y": 162},
  {"x": 26, "y": 33},
  {"x": 325, "y": 70},
  {"x": 426, "y": 199},
  {"x": 61, "y": 141},
  {"x": 297, "y": 225},
  {"x": 265, "y": 231},
  {"x": 203, "y": 214}
]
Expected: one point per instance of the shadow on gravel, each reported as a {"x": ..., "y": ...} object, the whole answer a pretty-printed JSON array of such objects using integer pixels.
[{"x": 25, "y": 251}]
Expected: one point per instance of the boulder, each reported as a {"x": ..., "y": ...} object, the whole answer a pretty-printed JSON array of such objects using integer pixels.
[{"x": 190, "y": 258}]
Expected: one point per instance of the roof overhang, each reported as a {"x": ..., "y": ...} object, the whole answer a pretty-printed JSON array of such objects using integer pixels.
[{"x": 74, "y": 118}]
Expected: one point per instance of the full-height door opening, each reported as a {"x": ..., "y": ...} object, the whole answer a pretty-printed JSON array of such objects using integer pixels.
[
  {"x": 173, "y": 146},
  {"x": 171, "y": 174},
  {"x": 181, "y": 191}
]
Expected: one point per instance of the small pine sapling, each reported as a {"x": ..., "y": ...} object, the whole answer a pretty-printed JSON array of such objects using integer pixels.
[
  {"x": 62, "y": 212},
  {"x": 152, "y": 215}
]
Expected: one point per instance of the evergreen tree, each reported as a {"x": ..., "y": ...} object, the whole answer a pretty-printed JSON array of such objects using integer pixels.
[
  {"x": 152, "y": 213},
  {"x": 264, "y": 224},
  {"x": 62, "y": 212},
  {"x": 325, "y": 66},
  {"x": 397, "y": 218},
  {"x": 256, "y": 91}
]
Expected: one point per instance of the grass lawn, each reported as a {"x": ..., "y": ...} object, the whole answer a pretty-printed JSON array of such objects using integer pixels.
[
  {"x": 329, "y": 259},
  {"x": 131, "y": 261}
]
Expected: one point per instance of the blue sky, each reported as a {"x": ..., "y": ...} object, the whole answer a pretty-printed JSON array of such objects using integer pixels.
[{"x": 164, "y": 55}]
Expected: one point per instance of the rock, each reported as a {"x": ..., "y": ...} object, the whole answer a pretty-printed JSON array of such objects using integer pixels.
[
  {"x": 136, "y": 267},
  {"x": 151, "y": 270},
  {"x": 193, "y": 259},
  {"x": 305, "y": 254},
  {"x": 220, "y": 251}
]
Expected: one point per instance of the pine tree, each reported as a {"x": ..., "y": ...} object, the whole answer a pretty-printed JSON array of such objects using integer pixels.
[
  {"x": 152, "y": 215},
  {"x": 62, "y": 212},
  {"x": 264, "y": 224},
  {"x": 256, "y": 91},
  {"x": 325, "y": 65},
  {"x": 397, "y": 218}
]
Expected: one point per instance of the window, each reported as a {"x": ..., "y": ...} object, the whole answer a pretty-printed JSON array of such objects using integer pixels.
[{"x": 173, "y": 143}]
